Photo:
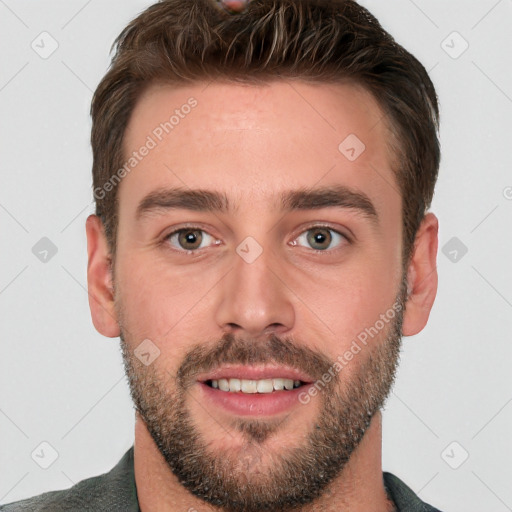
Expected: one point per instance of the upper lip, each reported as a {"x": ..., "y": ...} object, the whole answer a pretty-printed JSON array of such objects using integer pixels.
[{"x": 254, "y": 373}]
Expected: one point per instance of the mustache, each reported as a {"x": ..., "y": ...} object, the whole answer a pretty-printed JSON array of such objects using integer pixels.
[{"x": 234, "y": 350}]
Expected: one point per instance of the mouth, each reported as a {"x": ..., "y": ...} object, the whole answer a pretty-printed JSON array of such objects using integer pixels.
[
  {"x": 255, "y": 391},
  {"x": 250, "y": 386}
]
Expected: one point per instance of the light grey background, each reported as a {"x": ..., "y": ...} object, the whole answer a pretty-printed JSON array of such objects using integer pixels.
[{"x": 62, "y": 383}]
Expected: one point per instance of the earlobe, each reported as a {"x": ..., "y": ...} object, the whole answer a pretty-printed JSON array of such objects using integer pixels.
[
  {"x": 99, "y": 279},
  {"x": 421, "y": 277}
]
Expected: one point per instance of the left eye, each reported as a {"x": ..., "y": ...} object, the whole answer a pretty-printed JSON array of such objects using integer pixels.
[
  {"x": 190, "y": 239},
  {"x": 320, "y": 238}
]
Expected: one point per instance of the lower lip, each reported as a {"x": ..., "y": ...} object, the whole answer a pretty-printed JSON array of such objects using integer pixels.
[{"x": 253, "y": 404}]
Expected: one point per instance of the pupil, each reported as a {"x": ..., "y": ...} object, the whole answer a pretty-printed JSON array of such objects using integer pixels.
[
  {"x": 190, "y": 238},
  {"x": 320, "y": 239}
]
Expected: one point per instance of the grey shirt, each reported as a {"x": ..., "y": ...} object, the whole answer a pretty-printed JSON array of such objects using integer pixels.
[{"x": 115, "y": 491}]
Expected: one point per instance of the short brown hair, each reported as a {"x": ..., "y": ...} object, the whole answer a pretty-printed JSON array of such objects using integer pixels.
[{"x": 179, "y": 41}]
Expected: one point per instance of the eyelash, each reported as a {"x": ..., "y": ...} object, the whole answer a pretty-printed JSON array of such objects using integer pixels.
[{"x": 168, "y": 237}]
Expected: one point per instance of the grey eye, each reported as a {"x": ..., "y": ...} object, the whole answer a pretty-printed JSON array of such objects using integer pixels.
[
  {"x": 190, "y": 239},
  {"x": 320, "y": 238}
]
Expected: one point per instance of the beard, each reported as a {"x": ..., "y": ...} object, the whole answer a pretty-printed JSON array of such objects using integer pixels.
[{"x": 246, "y": 477}]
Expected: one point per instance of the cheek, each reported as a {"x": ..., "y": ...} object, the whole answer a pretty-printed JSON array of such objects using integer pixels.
[
  {"x": 351, "y": 299},
  {"x": 162, "y": 303}
]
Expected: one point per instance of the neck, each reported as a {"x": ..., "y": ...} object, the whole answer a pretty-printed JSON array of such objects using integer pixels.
[{"x": 358, "y": 488}]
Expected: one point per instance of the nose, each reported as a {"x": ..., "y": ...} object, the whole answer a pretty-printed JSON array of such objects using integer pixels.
[{"x": 255, "y": 300}]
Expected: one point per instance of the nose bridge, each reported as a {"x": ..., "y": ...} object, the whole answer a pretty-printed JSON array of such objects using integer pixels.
[{"x": 253, "y": 298}]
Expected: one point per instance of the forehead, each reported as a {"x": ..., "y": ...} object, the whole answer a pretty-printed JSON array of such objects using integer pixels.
[{"x": 252, "y": 141}]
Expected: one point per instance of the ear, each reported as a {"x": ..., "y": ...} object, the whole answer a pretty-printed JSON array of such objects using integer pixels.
[
  {"x": 421, "y": 277},
  {"x": 99, "y": 279}
]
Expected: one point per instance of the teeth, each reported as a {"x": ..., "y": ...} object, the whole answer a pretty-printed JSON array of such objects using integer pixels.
[
  {"x": 255, "y": 386},
  {"x": 265, "y": 386},
  {"x": 235, "y": 385},
  {"x": 223, "y": 385},
  {"x": 249, "y": 386},
  {"x": 278, "y": 384}
]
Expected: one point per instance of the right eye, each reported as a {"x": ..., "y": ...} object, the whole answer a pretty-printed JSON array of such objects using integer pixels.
[{"x": 190, "y": 239}]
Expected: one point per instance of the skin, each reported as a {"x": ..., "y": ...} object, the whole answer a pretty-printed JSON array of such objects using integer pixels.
[{"x": 252, "y": 143}]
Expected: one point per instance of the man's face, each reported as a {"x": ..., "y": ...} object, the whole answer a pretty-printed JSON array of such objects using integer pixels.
[{"x": 294, "y": 253}]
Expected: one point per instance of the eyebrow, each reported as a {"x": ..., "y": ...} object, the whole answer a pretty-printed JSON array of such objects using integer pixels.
[
  {"x": 339, "y": 196},
  {"x": 181, "y": 198}
]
